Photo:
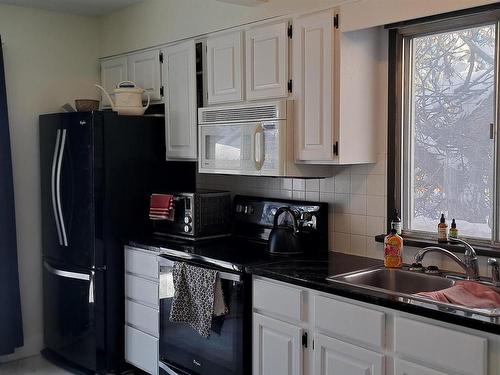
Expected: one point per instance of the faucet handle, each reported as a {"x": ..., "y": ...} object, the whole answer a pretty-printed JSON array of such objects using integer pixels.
[{"x": 495, "y": 271}]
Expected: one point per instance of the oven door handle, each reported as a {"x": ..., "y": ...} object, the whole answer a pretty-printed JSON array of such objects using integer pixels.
[
  {"x": 163, "y": 262},
  {"x": 230, "y": 276}
]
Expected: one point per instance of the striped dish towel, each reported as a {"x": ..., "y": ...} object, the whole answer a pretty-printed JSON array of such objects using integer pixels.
[{"x": 161, "y": 207}]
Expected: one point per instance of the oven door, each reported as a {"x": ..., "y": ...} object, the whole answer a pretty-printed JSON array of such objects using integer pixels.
[{"x": 226, "y": 351}]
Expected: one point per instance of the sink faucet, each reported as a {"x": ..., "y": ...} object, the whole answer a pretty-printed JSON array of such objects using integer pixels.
[
  {"x": 469, "y": 264},
  {"x": 495, "y": 271}
]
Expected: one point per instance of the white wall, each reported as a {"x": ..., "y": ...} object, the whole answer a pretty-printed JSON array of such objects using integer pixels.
[
  {"x": 154, "y": 22},
  {"x": 159, "y": 21},
  {"x": 368, "y": 13},
  {"x": 50, "y": 59}
]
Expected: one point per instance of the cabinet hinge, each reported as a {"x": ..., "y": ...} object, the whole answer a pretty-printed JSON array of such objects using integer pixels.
[
  {"x": 336, "y": 21},
  {"x": 161, "y": 57},
  {"x": 290, "y": 85},
  {"x": 304, "y": 339},
  {"x": 162, "y": 90},
  {"x": 336, "y": 148},
  {"x": 290, "y": 31}
]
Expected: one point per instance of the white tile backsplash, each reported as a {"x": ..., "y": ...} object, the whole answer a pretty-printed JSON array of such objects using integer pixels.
[
  {"x": 358, "y": 204},
  {"x": 355, "y": 196},
  {"x": 312, "y": 185},
  {"x": 343, "y": 183},
  {"x": 342, "y": 223},
  {"x": 299, "y": 184}
]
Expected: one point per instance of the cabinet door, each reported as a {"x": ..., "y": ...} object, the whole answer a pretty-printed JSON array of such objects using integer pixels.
[
  {"x": 407, "y": 368},
  {"x": 225, "y": 68},
  {"x": 113, "y": 71},
  {"x": 313, "y": 73},
  {"x": 334, "y": 357},
  {"x": 277, "y": 347},
  {"x": 144, "y": 69},
  {"x": 267, "y": 61},
  {"x": 179, "y": 80}
]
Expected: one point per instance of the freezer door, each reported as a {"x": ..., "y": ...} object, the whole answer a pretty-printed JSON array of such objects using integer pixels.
[
  {"x": 69, "y": 314},
  {"x": 67, "y": 173}
]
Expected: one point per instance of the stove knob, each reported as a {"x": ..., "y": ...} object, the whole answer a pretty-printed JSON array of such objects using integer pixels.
[
  {"x": 187, "y": 219},
  {"x": 187, "y": 228}
]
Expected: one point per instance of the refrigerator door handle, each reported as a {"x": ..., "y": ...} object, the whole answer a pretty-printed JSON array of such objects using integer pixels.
[
  {"x": 67, "y": 274},
  {"x": 58, "y": 189},
  {"x": 53, "y": 185}
]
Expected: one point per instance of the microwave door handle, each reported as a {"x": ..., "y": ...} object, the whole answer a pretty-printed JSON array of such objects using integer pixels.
[{"x": 258, "y": 142}]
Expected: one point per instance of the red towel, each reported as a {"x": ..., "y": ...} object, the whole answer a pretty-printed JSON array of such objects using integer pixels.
[
  {"x": 161, "y": 207},
  {"x": 467, "y": 293}
]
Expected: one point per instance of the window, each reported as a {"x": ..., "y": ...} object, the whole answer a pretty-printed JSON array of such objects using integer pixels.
[{"x": 446, "y": 153}]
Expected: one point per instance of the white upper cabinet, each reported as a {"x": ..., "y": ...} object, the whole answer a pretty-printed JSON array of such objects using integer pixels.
[
  {"x": 313, "y": 68},
  {"x": 334, "y": 357},
  {"x": 144, "y": 69},
  {"x": 267, "y": 61},
  {"x": 406, "y": 368},
  {"x": 225, "y": 68},
  {"x": 336, "y": 90},
  {"x": 277, "y": 347},
  {"x": 113, "y": 71},
  {"x": 179, "y": 80}
]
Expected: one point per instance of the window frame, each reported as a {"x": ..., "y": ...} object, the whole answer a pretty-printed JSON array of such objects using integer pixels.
[{"x": 400, "y": 36}]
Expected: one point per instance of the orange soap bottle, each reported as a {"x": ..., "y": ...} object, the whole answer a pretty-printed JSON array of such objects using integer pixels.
[{"x": 393, "y": 250}]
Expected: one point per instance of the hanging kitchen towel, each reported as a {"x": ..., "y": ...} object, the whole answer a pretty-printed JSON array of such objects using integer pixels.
[
  {"x": 197, "y": 298},
  {"x": 161, "y": 207}
]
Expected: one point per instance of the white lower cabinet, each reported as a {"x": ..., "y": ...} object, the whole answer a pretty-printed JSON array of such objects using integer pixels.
[
  {"x": 141, "y": 350},
  {"x": 406, "y": 368},
  {"x": 322, "y": 334},
  {"x": 334, "y": 357},
  {"x": 141, "y": 309},
  {"x": 277, "y": 347}
]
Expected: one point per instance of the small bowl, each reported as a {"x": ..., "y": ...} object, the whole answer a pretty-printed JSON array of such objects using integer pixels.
[{"x": 86, "y": 105}]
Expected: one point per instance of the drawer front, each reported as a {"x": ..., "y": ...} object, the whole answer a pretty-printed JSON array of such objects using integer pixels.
[
  {"x": 440, "y": 347},
  {"x": 349, "y": 321},
  {"x": 142, "y": 317},
  {"x": 141, "y": 263},
  {"x": 141, "y": 290},
  {"x": 141, "y": 350},
  {"x": 278, "y": 299}
]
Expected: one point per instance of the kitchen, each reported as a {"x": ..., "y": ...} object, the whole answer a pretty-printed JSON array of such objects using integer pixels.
[{"x": 356, "y": 187}]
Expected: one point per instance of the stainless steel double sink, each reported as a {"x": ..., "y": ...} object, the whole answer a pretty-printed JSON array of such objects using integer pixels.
[{"x": 406, "y": 284}]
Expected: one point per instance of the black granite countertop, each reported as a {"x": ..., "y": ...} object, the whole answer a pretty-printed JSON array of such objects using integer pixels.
[
  {"x": 312, "y": 274},
  {"x": 308, "y": 271}
]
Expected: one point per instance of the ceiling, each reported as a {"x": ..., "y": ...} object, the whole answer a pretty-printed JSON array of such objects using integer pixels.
[{"x": 82, "y": 7}]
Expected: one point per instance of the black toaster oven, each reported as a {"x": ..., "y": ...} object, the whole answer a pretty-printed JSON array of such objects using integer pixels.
[{"x": 197, "y": 215}]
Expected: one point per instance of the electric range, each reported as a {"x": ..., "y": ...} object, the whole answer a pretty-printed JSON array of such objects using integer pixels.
[{"x": 227, "y": 351}]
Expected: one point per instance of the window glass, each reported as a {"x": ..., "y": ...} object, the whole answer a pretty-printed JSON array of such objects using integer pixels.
[{"x": 451, "y": 104}]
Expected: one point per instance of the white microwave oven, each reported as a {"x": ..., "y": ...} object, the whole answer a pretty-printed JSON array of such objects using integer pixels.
[{"x": 250, "y": 139}]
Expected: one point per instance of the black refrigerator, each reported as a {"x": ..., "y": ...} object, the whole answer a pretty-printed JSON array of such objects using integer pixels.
[{"x": 97, "y": 172}]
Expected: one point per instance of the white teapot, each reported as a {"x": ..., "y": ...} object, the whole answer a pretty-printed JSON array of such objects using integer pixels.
[{"x": 128, "y": 99}]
